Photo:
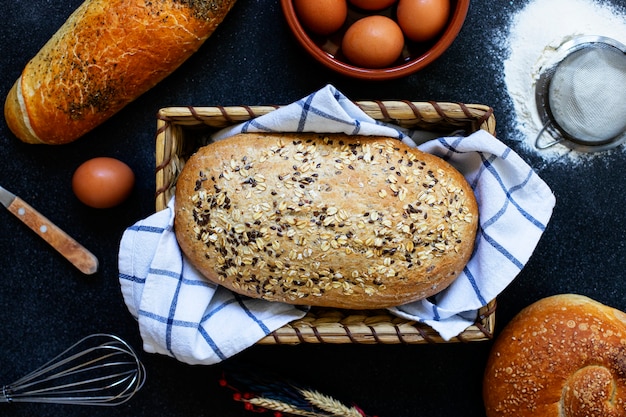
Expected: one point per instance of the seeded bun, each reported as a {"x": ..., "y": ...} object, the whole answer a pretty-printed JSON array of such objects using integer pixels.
[
  {"x": 562, "y": 356},
  {"x": 325, "y": 220}
]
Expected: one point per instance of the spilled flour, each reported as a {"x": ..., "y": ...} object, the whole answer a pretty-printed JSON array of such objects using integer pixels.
[{"x": 535, "y": 33}]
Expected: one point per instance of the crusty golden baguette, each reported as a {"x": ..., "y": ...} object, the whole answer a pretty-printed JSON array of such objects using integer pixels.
[{"x": 105, "y": 55}]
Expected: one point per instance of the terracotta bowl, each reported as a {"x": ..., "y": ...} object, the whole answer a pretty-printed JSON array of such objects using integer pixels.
[{"x": 415, "y": 56}]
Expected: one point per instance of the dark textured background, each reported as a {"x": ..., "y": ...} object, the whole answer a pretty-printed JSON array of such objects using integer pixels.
[{"x": 253, "y": 59}]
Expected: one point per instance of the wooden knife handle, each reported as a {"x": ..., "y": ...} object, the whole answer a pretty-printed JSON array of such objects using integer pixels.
[{"x": 73, "y": 251}]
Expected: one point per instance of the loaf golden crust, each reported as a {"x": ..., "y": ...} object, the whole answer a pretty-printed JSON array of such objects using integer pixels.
[
  {"x": 326, "y": 220},
  {"x": 104, "y": 56},
  {"x": 563, "y": 356}
]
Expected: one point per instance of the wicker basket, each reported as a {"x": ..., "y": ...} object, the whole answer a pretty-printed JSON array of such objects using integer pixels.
[{"x": 182, "y": 130}]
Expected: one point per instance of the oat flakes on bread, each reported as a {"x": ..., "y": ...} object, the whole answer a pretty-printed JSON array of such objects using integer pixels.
[{"x": 325, "y": 220}]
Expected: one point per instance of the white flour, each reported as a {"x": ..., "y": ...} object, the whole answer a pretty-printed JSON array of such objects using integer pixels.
[{"x": 535, "y": 33}]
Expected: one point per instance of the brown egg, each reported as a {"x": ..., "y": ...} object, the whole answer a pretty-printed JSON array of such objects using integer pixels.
[
  {"x": 103, "y": 182},
  {"x": 322, "y": 17},
  {"x": 422, "y": 20},
  {"x": 373, "y": 42},
  {"x": 372, "y": 4}
]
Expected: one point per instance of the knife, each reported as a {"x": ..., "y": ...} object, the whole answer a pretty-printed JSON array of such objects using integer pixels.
[{"x": 73, "y": 251}]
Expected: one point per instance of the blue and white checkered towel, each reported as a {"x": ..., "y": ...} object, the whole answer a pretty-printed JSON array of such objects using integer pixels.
[{"x": 182, "y": 315}]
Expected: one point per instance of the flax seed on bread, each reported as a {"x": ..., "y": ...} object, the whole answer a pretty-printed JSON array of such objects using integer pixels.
[{"x": 325, "y": 219}]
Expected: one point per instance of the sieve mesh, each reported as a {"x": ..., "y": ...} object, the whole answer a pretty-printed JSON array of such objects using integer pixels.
[
  {"x": 587, "y": 94},
  {"x": 581, "y": 95}
]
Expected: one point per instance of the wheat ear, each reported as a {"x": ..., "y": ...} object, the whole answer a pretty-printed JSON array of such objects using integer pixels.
[{"x": 330, "y": 405}]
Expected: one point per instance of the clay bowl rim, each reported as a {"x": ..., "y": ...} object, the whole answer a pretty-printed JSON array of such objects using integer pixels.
[{"x": 444, "y": 41}]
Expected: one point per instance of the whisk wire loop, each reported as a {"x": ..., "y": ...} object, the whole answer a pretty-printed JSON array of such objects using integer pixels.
[{"x": 100, "y": 369}]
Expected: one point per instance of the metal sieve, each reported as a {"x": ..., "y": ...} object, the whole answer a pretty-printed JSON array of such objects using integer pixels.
[{"x": 581, "y": 95}]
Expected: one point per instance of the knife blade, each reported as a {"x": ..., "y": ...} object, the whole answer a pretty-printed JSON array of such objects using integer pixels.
[{"x": 71, "y": 250}]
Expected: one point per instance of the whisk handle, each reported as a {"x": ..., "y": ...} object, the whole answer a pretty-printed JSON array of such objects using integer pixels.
[{"x": 5, "y": 394}]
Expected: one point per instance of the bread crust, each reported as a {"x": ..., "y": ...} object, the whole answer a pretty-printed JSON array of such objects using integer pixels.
[
  {"x": 325, "y": 220},
  {"x": 104, "y": 56},
  {"x": 564, "y": 355}
]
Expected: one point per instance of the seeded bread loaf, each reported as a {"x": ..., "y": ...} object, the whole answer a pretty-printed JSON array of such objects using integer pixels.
[
  {"x": 105, "y": 55},
  {"x": 562, "y": 356},
  {"x": 324, "y": 220}
]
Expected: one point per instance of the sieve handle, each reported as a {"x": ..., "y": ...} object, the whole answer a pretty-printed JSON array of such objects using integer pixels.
[{"x": 548, "y": 144}]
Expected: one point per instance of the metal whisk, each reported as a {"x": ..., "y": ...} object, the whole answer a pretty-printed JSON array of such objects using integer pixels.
[{"x": 100, "y": 369}]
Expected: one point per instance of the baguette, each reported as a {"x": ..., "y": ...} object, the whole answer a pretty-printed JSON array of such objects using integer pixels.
[
  {"x": 104, "y": 56},
  {"x": 564, "y": 355},
  {"x": 338, "y": 221}
]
